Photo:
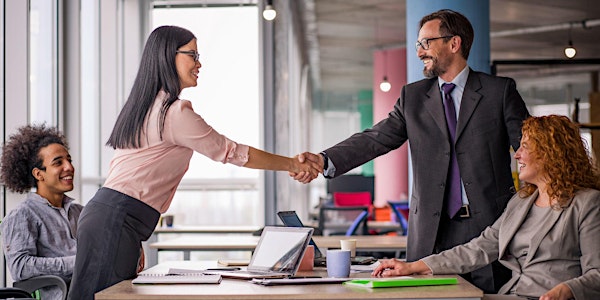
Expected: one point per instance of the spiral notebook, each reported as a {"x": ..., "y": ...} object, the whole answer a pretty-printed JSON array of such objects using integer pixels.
[{"x": 175, "y": 276}]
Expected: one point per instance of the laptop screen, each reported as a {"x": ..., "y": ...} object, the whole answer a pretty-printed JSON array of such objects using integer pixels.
[
  {"x": 280, "y": 249},
  {"x": 290, "y": 218}
]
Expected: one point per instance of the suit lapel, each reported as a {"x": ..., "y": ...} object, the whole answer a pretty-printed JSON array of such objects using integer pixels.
[
  {"x": 433, "y": 104},
  {"x": 513, "y": 221},
  {"x": 469, "y": 102}
]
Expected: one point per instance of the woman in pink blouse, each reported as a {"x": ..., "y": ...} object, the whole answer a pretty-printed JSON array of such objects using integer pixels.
[{"x": 154, "y": 138}]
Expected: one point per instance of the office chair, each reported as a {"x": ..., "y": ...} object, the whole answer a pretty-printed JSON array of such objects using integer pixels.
[
  {"x": 361, "y": 218},
  {"x": 343, "y": 220},
  {"x": 33, "y": 284},
  {"x": 400, "y": 210},
  {"x": 16, "y": 293},
  {"x": 354, "y": 199},
  {"x": 351, "y": 183}
]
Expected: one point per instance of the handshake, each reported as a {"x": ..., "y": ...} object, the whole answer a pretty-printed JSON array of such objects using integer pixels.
[{"x": 307, "y": 167}]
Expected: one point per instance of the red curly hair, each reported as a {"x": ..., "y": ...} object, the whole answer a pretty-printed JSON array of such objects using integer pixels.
[{"x": 557, "y": 145}]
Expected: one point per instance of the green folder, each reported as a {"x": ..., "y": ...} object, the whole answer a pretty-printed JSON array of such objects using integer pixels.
[{"x": 400, "y": 281}]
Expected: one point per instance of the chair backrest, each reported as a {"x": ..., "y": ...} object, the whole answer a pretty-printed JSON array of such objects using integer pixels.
[
  {"x": 343, "y": 220},
  {"x": 352, "y": 199},
  {"x": 361, "y": 218},
  {"x": 12, "y": 292},
  {"x": 400, "y": 210},
  {"x": 351, "y": 183},
  {"x": 35, "y": 283}
]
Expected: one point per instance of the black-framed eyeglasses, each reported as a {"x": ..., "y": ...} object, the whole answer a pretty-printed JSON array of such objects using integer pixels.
[
  {"x": 424, "y": 43},
  {"x": 191, "y": 53}
]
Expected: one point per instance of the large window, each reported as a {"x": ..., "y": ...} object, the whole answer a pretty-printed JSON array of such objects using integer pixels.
[
  {"x": 227, "y": 98},
  {"x": 43, "y": 62},
  {"x": 89, "y": 112}
]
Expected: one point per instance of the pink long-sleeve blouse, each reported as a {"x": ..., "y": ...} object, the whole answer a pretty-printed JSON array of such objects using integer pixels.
[{"x": 152, "y": 172}]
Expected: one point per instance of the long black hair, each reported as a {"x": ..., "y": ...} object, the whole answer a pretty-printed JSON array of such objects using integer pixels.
[{"x": 157, "y": 71}]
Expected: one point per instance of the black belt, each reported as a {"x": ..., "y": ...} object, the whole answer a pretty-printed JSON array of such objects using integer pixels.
[{"x": 464, "y": 212}]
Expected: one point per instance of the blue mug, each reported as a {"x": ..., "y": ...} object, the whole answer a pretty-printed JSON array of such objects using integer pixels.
[{"x": 338, "y": 263}]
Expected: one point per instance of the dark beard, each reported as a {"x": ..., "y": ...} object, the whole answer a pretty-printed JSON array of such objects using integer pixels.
[{"x": 435, "y": 71}]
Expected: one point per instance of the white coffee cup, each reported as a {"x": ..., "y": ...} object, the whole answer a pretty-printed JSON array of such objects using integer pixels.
[
  {"x": 338, "y": 263},
  {"x": 349, "y": 244}
]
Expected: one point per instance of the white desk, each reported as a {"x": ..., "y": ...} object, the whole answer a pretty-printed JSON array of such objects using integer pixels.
[
  {"x": 249, "y": 242},
  {"x": 242, "y": 289},
  {"x": 222, "y": 229},
  {"x": 376, "y": 225},
  {"x": 152, "y": 254}
]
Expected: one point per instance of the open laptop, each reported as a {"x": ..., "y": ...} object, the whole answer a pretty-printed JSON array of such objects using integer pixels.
[
  {"x": 290, "y": 218},
  {"x": 277, "y": 255}
]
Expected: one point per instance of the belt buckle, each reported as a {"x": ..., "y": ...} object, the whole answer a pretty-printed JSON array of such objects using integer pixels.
[{"x": 465, "y": 212}]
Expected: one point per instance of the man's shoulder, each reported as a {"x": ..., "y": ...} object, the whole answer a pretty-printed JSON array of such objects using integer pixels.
[
  {"x": 485, "y": 77},
  {"x": 24, "y": 211},
  {"x": 420, "y": 85},
  {"x": 33, "y": 205}
]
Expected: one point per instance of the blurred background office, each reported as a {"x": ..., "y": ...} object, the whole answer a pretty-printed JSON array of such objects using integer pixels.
[{"x": 302, "y": 81}]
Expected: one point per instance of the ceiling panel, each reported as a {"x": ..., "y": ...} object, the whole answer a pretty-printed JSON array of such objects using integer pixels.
[{"x": 346, "y": 32}]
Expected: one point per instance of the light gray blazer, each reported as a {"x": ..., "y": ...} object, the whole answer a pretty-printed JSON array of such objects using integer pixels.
[{"x": 566, "y": 248}]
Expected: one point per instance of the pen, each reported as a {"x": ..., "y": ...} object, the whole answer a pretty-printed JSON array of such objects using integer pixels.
[{"x": 224, "y": 269}]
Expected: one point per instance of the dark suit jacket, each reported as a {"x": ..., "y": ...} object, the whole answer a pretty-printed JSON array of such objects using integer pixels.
[
  {"x": 565, "y": 249},
  {"x": 489, "y": 123}
]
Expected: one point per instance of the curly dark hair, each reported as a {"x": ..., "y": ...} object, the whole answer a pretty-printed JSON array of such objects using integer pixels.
[
  {"x": 557, "y": 145},
  {"x": 20, "y": 155}
]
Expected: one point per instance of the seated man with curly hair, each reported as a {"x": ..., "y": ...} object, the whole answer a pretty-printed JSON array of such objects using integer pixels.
[{"x": 39, "y": 235}]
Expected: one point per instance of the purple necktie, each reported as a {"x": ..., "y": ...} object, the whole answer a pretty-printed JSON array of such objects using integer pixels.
[{"x": 453, "y": 192}]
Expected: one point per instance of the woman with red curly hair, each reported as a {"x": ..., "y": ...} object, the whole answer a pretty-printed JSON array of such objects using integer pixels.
[{"x": 549, "y": 234}]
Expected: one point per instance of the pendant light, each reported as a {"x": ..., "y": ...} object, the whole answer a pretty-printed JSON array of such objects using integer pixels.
[
  {"x": 385, "y": 86},
  {"x": 269, "y": 12},
  {"x": 570, "y": 51}
]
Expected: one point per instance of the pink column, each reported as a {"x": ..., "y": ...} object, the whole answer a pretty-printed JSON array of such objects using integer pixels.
[{"x": 391, "y": 170}]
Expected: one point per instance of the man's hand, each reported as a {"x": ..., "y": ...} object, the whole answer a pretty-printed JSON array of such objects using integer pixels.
[
  {"x": 315, "y": 161},
  {"x": 559, "y": 292}
]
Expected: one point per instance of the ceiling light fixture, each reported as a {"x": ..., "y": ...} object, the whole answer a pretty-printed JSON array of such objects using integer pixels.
[
  {"x": 385, "y": 86},
  {"x": 570, "y": 51},
  {"x": 269, "y": 13}
]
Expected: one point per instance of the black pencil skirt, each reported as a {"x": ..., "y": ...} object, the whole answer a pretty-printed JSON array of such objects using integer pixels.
[{"x": 110, "y": 232}]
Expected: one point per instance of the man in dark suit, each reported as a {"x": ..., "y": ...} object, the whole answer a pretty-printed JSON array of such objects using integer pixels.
[{"x": 487, "y": 113}]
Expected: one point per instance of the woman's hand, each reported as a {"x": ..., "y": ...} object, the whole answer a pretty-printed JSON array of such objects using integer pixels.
[
  {"x": 394, "y": 267},
  {"x": 307, "y": 167},
  {"x": 141, "y": 261},
  {"x": 559, "y": 292}
]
